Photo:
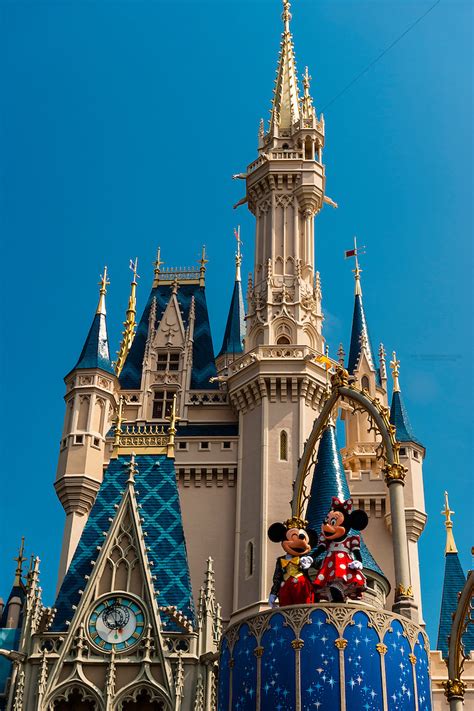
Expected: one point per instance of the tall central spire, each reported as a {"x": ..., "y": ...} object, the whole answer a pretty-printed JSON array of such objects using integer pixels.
[{"x": 285, "y": 104}]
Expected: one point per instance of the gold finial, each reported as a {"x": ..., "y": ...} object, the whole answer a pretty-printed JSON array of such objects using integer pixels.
[
  {"x": 286, "y": 15},
  {"x": 382, "y": 366},
  {"x": 173, "y": 419},
  {"x": 306, "y": 81},
  {"x": 157, "y": 265},
  {"x": 307, "y": 101},
  {"x": 132, "y": 469},
  {"x": 20, "y": 559},
  {"x": 202, "y": 270},
  {"x": 357, "y": 271},
  {"x": 128, "y": 333},
  {"x": 103, "y": 283},
  {"x": 238, "y": 254},
  {"x": 447, "y": 513},
  {"x": 395, "y": 368}
]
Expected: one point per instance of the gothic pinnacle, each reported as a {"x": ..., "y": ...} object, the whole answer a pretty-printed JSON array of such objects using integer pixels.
[
  {"x": 104, "y": 282},
  {"x": 395, "y": 368},
  {"x": 447, "y": 513}
]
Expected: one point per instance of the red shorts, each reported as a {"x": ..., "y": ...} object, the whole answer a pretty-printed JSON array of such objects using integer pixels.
[{"x": 296, "y": 591}]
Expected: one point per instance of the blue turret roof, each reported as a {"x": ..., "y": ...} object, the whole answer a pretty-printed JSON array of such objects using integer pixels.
[
  {"x": 454, "y": 580},
  {"x": 157, "y": 492},
  {"x": 359, "y": 334},
  {"x": 233, "y": 341},
  {"x": 95, "y": 353},
  {"x": 203, "y": 366},
  {"x": 399, "y": 418},
  {"x": 329, "y": 479}
]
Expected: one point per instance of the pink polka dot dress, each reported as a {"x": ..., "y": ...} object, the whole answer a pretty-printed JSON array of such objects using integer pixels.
[{"x": 335, "y": 567}]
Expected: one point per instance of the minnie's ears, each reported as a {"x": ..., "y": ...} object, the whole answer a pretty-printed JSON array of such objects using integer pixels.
[
  {"x": 277, "y": 532},
  {"x": 358, "y": 520}
]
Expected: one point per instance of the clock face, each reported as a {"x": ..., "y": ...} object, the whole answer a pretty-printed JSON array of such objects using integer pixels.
[{"x": 116, "y": 623}]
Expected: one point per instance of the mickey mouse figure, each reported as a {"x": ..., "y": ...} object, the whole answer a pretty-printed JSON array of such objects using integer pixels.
[
  {"x": 340, "y": 575},
  {"x": 291, "y": 584}
]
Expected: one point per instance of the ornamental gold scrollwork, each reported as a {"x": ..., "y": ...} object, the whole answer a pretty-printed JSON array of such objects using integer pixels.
[
  {"x": 297, "y": 643},
  {"x": 412, "y": 659},
  {"x": 258, "y": 651},
  {"x": 340, "y": 378},
  {"x": 394, "y": 472},
  {"x": 454, "y": 689},
  {"x": 381, "y": 648},
  {"x": 340, "y": 643},
  {"x": 403, "y": 591}
]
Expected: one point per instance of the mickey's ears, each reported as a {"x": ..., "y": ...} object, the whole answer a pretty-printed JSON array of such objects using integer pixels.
[{"x": 277, "y": 532}]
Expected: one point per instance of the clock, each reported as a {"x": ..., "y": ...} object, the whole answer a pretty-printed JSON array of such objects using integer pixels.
[{"x": 117, "y": 622}]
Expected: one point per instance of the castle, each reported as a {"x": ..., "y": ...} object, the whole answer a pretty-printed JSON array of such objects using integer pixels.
[{"x": 174, "y": 461}]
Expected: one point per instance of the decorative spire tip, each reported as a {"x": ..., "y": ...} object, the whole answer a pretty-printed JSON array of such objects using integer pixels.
[
  {"x": 447, "y": 513},
  {"x": 395, "y": 368},
  {"x": 103, "y": 283}
]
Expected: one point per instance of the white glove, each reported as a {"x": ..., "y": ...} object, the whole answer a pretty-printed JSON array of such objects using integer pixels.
[
  {"x": 356, "y": 565},
  {"x": 272, "y": 600},
  {"x": 305, "y": 562}
]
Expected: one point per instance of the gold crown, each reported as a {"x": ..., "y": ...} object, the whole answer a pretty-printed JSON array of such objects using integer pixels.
[{"x": 295, "y": 522}]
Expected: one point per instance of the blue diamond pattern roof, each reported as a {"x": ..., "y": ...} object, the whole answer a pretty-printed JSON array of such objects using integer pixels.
[
  {"x": 95, "y": 353},
  {"x": 156, "y": 491},
  {"x": 359, "y": 330},
  {"x": 329, "y": 479},
  {"x": 233, "y": 341},
  {"x": 203, "y": 350},
  {"x": 454, "y": 580},
  {"x": 399, "y": 418}
]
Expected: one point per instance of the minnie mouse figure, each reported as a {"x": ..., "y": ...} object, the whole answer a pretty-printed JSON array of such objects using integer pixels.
[
  {"x": 340, "y": 575},
  {"x": 291, "y": 584}
]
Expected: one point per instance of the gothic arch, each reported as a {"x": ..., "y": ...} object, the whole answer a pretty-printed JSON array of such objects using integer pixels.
[
  {"x": 378, "y": 416},
  {"x": 75, "y": 695},
  {"x": 283, "y": 332},
  {"x": 136, "y": 695}
]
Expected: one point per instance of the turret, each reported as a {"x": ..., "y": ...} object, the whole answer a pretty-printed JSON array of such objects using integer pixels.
[
  {"x": 329, "y": 479},
  {"x": 453, "y": 583},
  {"x": 12, "y": 612},
  {"x": 90, "y": 406},
  {"x": 285, "y": 190},
  {"x": 412, "y": 453},
  {"x": 233, "y": 341}
]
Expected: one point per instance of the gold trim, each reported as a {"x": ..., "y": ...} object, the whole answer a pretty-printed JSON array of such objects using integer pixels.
[
  {"x": 454, "y": 689},
  {"x": 402, "y": 591},
  {"x": 297, "y": 643},
  {"x": 258, "y": 651},
  {"x": 394, "y": 472},
  {"x": 340, "y": 643},
  {"x": 381, "y": 648},
  {"x": 412, "y": 659}
]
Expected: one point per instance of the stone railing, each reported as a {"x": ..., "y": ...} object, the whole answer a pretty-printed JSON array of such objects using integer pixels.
[
  {"x": 207, "y": 397},
  {"x": 272, "y": 352}
]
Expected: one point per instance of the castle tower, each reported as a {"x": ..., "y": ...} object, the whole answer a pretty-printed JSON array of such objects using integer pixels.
[
  {"x": 285, "y": 190},
  {"x": 412, "y": 453},
  {"x": 90, "y": 407},
  {"x": 277, "y": 387}
]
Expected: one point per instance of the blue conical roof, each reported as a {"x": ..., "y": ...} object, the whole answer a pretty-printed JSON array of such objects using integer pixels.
[
  {"x": 360, "y": 333},
  {"x": 453, "y": 583},
  {"x": 233, "y": 341},
  {"x": 95, "y": 353},
  {"x": 329, "y": 479},
  {"x": 399, "y": 418}
]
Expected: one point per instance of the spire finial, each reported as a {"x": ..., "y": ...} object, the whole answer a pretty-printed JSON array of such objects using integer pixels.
[
  {"x": 118, "y": 421},
  {"x": 447, "y": 513},
  {"x": 238, "y": 254},
  {"x": 20, "y": 559},
  {"x": 382, "y": 366},
  {"x": 357, "y": 271},
  {"x": 157, "y": 264},
  {"x": 103, "y": 283},
  {"x": 202, "y": 269},
  {"x": 173, "y": 419},
  {"x": 132, "y": 470},
  {"x": 395, "y": 367},
  {"x": 128, "y": 333},
  {"x": 307, "y": 101},
  {"x": 286, "y": 15},
  {"x": 341, "y": 355}
]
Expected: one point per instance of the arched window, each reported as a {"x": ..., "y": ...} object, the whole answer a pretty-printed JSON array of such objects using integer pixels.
[
  {"x": 249, "y": 559},
  {"x": 162, "y": 403},
  {"x": 365, "y": 382},
  {"x": 283, "y": 446},
  {"x": 283, "y": 341},
  {"x": 144, "y": 700},
  {"x": 76, "y": 700}
]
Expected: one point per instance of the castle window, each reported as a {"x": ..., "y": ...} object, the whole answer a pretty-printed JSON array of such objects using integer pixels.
[
  {"x": 79, "y": 439},
  {"x": 415, "y": 454},
  {"x": 283, "y": 446},
  {"x": 183, "y": 445},
  {"x": 96, "y": 442},
  {"x": 168, "y": 361},
  {"x": 365, "y": 382},
  {"x": 204, "y": 446},
  {"x": 249, "y": 559},
  {"x": 162, "y": 404},
  {"x": 283, "y": 341},
  {"x": 226, "y": 445},
  {"x": 403, "y": 452},
  {"x": 285, "y": 146}
]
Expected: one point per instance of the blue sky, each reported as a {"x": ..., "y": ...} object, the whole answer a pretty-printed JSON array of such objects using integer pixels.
[{"x": 120, "y": 128}]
